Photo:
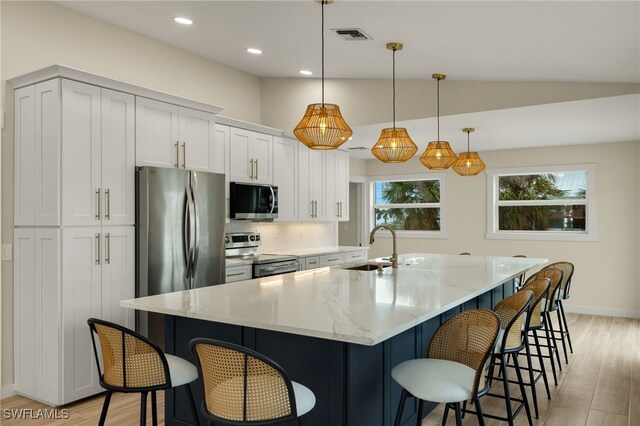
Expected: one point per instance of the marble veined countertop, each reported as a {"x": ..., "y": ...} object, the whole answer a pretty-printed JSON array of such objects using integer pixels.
[{"x": 344, "y": 305}]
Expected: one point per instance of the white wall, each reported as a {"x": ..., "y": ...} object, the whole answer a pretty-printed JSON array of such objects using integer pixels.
[
  {"x": 607, "y": 277},
  {"x": 35, "y": 35}
]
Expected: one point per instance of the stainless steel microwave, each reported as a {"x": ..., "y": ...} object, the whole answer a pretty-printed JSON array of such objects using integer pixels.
[{"x": 253, "y": 202}]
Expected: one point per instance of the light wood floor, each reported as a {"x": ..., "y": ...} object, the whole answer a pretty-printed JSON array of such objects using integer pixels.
[{"x": 599, "y": 386}]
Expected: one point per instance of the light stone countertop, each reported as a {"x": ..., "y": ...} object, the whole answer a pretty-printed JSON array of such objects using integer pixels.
[
  {"x": 344, "y": 305},
  {"x": 319, "y": 251}
]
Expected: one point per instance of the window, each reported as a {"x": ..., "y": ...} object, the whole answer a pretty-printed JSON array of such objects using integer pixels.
[
  {"x": 542, "y": 203},
  {"x": 412, "y": 204}
]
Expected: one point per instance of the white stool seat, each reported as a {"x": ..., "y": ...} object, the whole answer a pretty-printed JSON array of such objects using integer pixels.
[
  {"x": 435, "y": 380},
  {"x": 181, "y": 370},
  {"x": 305, "y": 399}
]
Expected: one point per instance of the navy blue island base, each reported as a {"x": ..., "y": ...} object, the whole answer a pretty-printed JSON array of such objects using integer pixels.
[{"x": 352, "y": 382}]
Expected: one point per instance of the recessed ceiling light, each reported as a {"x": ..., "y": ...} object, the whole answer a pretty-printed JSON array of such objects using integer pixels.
[
  {"x": 254, "y": 51},
  {"x": 306, "y": 72},
  {"x": 183, "y": 21}
]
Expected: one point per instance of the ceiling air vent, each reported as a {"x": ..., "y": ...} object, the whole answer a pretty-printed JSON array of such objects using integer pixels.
[
  {"x": 352, "y": 34},
  {"x": 357, "y": 148}
]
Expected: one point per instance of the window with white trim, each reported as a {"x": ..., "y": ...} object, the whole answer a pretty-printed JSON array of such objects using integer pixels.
[
  {"x": 412, "y": 204},
  {"x": 542, "y": 203}
]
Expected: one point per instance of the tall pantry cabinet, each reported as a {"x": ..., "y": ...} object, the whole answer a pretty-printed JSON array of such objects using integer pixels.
[{"x": 74, "y": 236}]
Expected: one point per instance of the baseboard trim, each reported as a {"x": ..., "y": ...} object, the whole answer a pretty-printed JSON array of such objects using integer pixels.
[
  {"x": 7, "y": 390},
  {"x": 602, "y": 311}
]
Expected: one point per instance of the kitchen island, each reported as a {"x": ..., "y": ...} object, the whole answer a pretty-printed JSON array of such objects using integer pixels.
[{"x": 337, "y": 331}]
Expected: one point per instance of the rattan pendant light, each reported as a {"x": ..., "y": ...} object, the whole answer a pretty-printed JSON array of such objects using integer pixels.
[
  {"x": 394, "y": 144},
  {"x": 438, "y": 155},
  {"x": 322, "y": 126},
  {"x": 468, "y": 163}
]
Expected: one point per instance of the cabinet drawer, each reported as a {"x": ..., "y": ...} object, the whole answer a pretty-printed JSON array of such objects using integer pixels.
[
  {"x": 331, "y": 259},
  {"x": 355, "y": 255},
  {"x": 238, "y": 273},
  {"x": 311, "y": 262}
]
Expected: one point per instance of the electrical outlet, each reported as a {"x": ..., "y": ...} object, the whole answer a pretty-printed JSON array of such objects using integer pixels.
[{"x": 6, "y": 252}]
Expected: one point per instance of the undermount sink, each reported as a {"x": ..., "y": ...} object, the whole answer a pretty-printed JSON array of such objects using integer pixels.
[{"x": 368, "y": 267}]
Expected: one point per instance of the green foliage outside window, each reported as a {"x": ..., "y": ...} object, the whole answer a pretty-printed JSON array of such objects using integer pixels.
[{"x": 415, "y": 216}]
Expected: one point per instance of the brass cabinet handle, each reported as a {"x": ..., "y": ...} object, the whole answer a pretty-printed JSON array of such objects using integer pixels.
[
  {"x": 257, "y": 174},
  {"x": 98, "y": 255},
  {"x": 107, "y": 201},
  {"x": 251, "y": 174},
  {"x": 107, "y": 238},
  {"x": 338, "y": 209},
  {"x": 177, "y": 155},
  {"x": 98, "y": 206},
  {"x": 184, "y": 155}
]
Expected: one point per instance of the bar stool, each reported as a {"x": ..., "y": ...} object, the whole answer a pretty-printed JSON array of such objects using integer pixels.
[
  {"x": 564, "y": 293},
  {"x": 244, "y": 387},
  {"x": 548, "y": 305},
  {"x": 512, "y": 339},
  {"x": 456, "y": 366},
  {"x": 133, "y": 363},
  {"x": 539, "y": 288}
]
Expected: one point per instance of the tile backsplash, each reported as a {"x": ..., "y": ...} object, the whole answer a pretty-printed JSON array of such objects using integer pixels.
[{"x": 283, "y": 236}]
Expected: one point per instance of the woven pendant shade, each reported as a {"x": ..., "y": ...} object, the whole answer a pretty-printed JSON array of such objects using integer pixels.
[
  {"x": 468, "y": 164},
  {"x": 322, "y": 127},
  {"x": 394, "y": 146},
  {"x": 438, "y": 155}
]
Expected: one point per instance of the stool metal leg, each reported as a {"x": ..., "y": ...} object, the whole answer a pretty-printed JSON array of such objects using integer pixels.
[
  {"x": 563, "y": 334},
  {"x": 566, "y": 326},
  {"x": 531, "y": 378},
  {"x": 420, "y": 412},
  {"x": 105, "y": 408},
  {"x": 154, "y": 409},
  {"x": 458, "y": 414},
  {"x": 446, "y": 414},
  {"x": 552, "y": 332},
  {"x": 194, "y": 410},
  {"x": 143, "y": 408},
  {"x": 403, "y": 398},
  {"x": 522, "y": 389},
  {"x": 507, "y": 396},
  {"x": 542, "y": 367},
  {"x": 479, "y": 412},
  {"x": 550, "y": 350}
]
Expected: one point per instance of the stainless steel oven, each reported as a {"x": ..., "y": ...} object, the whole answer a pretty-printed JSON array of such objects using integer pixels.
[{"x": 246, "y": 244}]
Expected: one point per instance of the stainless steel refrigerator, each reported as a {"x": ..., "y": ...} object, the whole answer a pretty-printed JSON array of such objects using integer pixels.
[{"x": 180, "y": 217}]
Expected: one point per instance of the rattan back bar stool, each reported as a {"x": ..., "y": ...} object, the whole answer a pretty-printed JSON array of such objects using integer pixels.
[
  {"x": 539, "y": 288},
  {"x": 244, "y": 387},
  {"x": 567, "y": 269},
  {"x": 512, "y": 339},
  {"x": 133, "y": 363},
  {"x": 456, "y": 366}
]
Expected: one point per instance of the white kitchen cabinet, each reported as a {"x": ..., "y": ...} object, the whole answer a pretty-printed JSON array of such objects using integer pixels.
[
  {"x": 237, "y": 273},
  {"x": 354, "y": 256},
  {"x": 168, "y": 135},
  {"x": 37, "y": 313},
  {"x": 310, "y": 262},
  {"x": 285, "y": 177},
  {"x": 118, "y": 274},
  {"x": 37, "y": 155},
  {"x": 221, "y": 160},
  {"x": 250, "y": 157},
  {"x": 98, "y": 163},
  {"x": 311, "y": 181},
  {"x": 331, "y": 259},
  {"x": 337, "y": 185}
]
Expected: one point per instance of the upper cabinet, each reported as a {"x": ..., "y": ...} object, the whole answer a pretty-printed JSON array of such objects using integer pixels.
[
  {"x": 311, "y": 180},
  {"x": 87, "y": 130},
  {"x": 171, "y": 136},
  {"x": 250, "y": 157},
  {"x": 285, "y": 177},
  {"x": 337, "y": 185}
]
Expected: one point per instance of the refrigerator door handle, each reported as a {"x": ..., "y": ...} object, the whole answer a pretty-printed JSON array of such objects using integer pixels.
[
  {"x": 186, "y": 232},
  {"x": 194, "y": 222}
]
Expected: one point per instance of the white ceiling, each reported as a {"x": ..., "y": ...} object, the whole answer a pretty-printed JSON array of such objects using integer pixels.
[
  {"x": 581, "y": 41},
  {"x": 612, "y": 119}
]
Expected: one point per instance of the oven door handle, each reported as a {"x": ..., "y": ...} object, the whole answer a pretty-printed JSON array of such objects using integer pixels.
[{"x": 273, "y": 199}]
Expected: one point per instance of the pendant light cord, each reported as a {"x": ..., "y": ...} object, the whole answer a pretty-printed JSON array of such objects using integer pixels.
[
  {"x": 322, "y": 5},
  {"x": 468, "y": 142},
  {"x": 438, "y": 97},
  {"x": 394, "y": 89}
]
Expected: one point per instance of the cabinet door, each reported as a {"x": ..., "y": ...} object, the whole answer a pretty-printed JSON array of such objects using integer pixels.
[
  {"x": 285, "y": 177},
  {"x": 118, "y": 158},
  {"x": 81, "y": 174},
  {"x": 221, "y": 159},
  {"x": 317, "y": 178},
  {"x": 156, "y": 133},
  {"x": 331, "y": 198},
  {"x": 261, "y": 150},
  {"x": 342, "y": 184},
  {"x": 24, "y": 156},
  {"x": 47, "y": 315},
  {"x": 47, "y": 201},
  {"x": 197, "y": 140},
  {"x": 241, "y": 165},
  {"x": 24, "y": 302},
  {"x": 81, "y": 300},
  {"x": 118, "y": 274},
  {"x": 305, "y": 200}
]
